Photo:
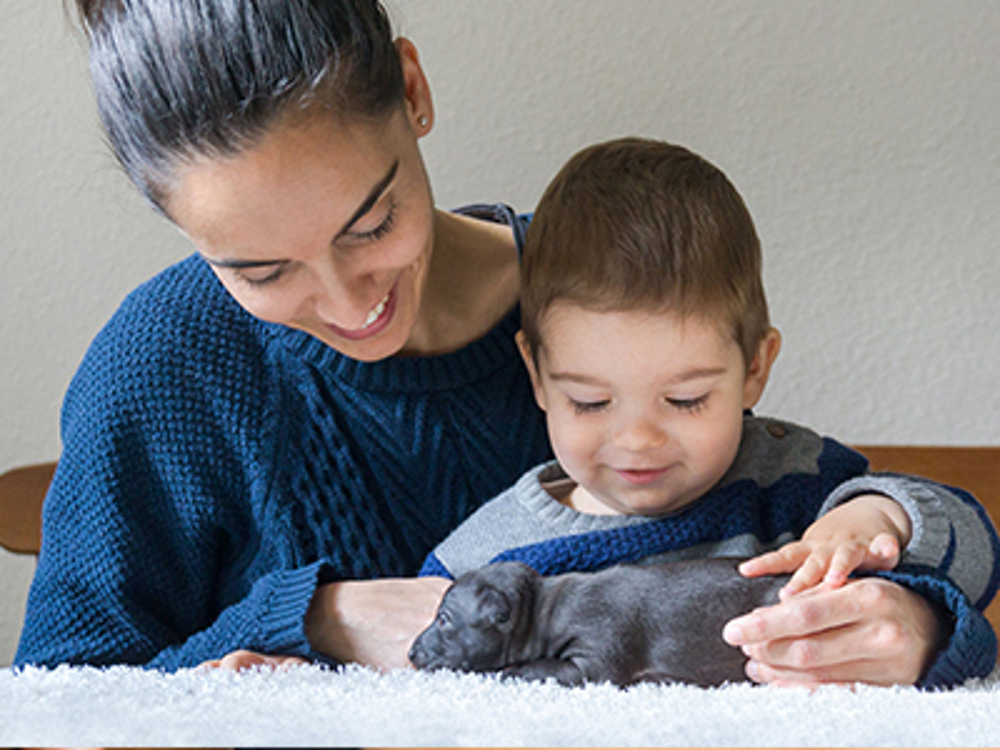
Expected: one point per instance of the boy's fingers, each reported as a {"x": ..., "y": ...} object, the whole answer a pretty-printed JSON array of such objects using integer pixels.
[
  {"x": 784, "y": 560},
  {"x": 882, "y": 553},
  {"x": 846, "y": 560},
  {"x": 808, "y": 575}
]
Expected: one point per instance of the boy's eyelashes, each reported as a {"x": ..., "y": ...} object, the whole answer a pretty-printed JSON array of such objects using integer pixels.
[
  {"x": 587, "y": 407},
  {"x": 686, "y": 405},
  {"x": 690, "y": 405}
]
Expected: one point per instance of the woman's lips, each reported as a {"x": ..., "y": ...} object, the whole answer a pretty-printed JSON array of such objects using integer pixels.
[{"x": 378, "y": 318}]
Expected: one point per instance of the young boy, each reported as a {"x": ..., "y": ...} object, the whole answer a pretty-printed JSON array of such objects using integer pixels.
[{"x": 646, "y": 333}]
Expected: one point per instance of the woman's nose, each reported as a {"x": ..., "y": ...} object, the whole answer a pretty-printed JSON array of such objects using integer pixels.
[{"x": 344, "y": 301}]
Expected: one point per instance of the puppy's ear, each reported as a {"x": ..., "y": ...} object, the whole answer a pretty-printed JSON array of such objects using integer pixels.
[{"x": 494, "y": 607}]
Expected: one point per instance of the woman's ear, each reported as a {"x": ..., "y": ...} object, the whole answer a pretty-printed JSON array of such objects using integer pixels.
[
  {"x": 419, "y": 103},
  {"x": 529, "y": 362},
  {"x": 760, "y": 369}
]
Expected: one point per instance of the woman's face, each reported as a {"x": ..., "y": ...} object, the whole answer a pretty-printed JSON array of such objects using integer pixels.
[{"x": 322, "y": 227}]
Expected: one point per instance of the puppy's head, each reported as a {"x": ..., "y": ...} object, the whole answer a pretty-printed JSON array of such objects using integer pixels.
[{"x": 478, "y": 618}]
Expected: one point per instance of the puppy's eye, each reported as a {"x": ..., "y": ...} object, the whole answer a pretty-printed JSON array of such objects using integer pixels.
[{"x": 443, "y": 620}]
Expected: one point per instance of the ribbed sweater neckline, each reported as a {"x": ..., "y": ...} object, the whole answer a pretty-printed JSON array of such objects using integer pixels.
[{"x": 473, "y": 362}]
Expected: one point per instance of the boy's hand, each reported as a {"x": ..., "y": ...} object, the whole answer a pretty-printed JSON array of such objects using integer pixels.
[{"x": 866, "y": 533}]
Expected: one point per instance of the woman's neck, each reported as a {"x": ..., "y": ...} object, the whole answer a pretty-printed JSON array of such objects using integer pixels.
[{"x": 472, "y": 284}]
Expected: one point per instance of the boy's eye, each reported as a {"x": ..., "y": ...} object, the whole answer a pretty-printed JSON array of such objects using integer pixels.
[
  {"x": 690, "y": 405},
  {"x": 587, "y": 407}
]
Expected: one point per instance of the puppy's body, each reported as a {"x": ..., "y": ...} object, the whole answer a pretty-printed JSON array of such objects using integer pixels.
[{"x": 626, "y": 624}]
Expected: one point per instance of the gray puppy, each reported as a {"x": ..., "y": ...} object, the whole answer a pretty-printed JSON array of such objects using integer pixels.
[{"x": 630, "y": 623}]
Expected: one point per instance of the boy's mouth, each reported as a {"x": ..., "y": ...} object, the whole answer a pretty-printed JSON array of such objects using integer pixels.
[{"x": 640, "y": 476}]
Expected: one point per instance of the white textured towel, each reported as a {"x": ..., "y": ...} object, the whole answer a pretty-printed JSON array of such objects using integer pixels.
[{"x": 357, "y": 707}]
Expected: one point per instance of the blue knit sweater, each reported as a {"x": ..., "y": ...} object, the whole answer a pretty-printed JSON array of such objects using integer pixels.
[{"x": 216, "y": 468}]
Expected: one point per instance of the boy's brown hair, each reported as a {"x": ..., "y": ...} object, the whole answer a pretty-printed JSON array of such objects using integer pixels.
[{"x": 641, "y": 224}]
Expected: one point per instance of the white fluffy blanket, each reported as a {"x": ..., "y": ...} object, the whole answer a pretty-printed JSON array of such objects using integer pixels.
[{"x": 356, "y": 707}]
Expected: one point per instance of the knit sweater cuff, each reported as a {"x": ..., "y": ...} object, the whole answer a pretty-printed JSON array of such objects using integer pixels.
[
  {"x": 283, "y": 621},
  {"x": 931, "y": 530},
  {"x": 971, "y": 649}
]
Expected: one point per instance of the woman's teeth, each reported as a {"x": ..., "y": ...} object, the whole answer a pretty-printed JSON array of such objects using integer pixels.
[{"x": 376, "y": 312}]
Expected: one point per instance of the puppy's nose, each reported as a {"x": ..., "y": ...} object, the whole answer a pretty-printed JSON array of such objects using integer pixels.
[{"x": 417, "y": 655}]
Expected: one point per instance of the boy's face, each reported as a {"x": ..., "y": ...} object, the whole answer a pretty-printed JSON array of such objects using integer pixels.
[{"x": 645, "y": 410}]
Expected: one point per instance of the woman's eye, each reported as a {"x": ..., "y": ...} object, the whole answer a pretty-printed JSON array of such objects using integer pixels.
[
  {"x": 374, "y": 235},
  {"x": 689, "y": 405},
  {"x": 587, "y": 407},
  {"x": 260, "y": 279}
]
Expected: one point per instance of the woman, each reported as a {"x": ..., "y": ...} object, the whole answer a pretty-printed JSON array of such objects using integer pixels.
[{"x": 328, "y": 387}]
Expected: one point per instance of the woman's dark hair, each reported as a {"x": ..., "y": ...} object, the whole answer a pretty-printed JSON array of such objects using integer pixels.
[{"x": 177, "y": 79}]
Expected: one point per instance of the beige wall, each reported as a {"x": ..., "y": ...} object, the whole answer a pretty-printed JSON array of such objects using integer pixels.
[{"x": 863, "y": 134}]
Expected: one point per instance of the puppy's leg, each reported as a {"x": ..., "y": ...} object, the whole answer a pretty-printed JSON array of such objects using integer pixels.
[{"x": 562, "y": 671}]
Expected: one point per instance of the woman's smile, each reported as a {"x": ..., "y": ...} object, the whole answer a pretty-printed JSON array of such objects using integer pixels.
[{"x": 379, "y": 318}]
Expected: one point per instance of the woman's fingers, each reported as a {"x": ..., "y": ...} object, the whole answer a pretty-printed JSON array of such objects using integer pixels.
[
  {"x": 237, "y": 661},
  {"x": 804, "y": 615},
  {"x": 869, "y": 630}
]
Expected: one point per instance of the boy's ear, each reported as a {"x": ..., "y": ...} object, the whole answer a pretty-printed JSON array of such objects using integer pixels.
[
  {"x": 760, "y": 369},
  {"x": 529, "y": 362}
]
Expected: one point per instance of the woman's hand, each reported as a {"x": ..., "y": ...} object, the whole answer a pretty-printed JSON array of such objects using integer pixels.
[
  {"x": 237, "y": 661},
  {"x": 373, "y": 622},
  {"x": 869, "y": 630}
]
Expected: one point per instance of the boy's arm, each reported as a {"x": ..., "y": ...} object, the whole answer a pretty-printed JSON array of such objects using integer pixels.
[
  {"x": 951, "y": 534},
  {"x": 866, "y": 532}
]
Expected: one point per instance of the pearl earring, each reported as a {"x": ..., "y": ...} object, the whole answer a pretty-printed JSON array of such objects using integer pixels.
[{"x": 422, "y": 121}]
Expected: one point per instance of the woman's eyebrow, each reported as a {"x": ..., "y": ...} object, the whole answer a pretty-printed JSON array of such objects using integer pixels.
[
  {"x": 371, "y": 199},
  {"x": 366, "y": 205}
]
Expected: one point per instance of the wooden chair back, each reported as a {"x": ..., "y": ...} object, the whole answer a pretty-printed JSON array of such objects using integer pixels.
[{"x": 22, "y": 492}]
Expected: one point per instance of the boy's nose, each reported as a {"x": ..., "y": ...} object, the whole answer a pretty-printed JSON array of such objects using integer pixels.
[{"x": 639, "y": 433}]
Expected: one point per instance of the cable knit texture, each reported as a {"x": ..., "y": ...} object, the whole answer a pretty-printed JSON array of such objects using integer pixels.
[{"x": 216, "y": 468}]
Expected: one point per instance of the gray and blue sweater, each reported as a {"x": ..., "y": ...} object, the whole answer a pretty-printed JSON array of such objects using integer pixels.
[{"x": 783, "y": 479}]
